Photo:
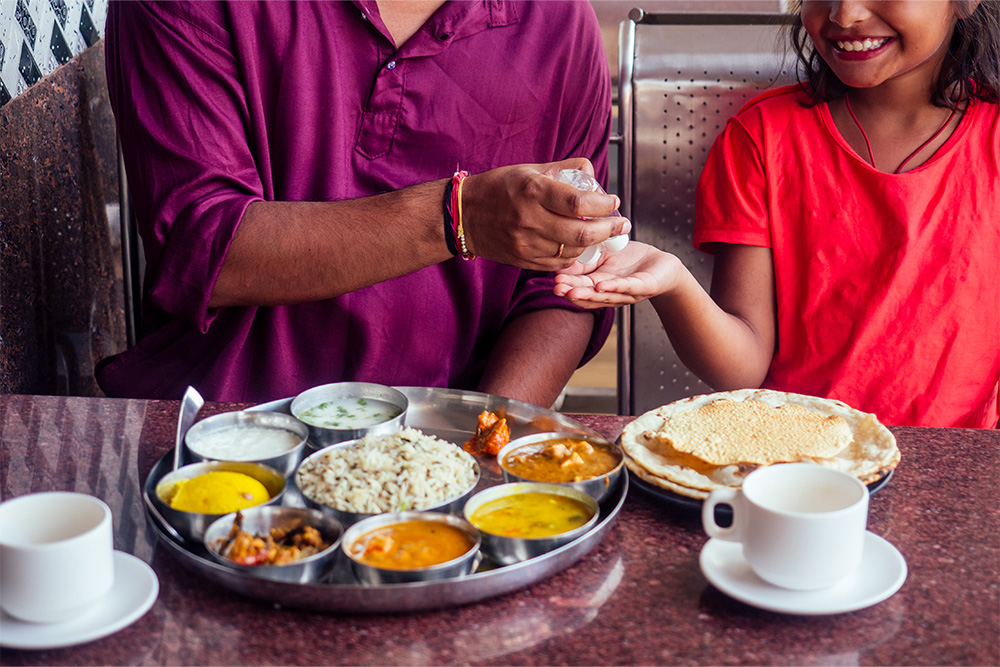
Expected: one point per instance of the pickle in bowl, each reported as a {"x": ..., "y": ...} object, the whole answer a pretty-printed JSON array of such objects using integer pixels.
[{"x": 292, "y": 544}]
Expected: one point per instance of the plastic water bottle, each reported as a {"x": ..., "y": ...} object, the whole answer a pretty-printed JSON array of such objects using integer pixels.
[{"x": 581, "y": 180}]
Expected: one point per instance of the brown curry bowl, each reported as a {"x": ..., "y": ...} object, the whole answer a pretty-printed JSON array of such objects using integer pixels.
[{"x": 595, "y": 482}]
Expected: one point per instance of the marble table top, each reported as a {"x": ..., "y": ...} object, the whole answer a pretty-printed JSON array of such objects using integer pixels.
[{"x": 639, "y": 597}]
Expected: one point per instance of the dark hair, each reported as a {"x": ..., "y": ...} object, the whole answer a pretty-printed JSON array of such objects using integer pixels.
[{"x": 970, "y": 70}]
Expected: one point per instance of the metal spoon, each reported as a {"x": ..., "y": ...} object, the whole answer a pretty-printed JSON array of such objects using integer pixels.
[{"x": 190, "y": 405}]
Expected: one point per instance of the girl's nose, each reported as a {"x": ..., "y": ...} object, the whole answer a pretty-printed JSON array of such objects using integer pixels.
[{"x": 846, "y": 12}]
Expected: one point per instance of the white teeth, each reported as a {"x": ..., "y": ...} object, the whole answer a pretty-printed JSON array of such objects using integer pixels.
[{"x": 856, "y": 45}]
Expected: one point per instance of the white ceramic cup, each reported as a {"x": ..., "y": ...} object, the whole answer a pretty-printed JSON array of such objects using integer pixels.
[
  {"x": 802, "y": 525},
  {"x": 56, "y": 555}
]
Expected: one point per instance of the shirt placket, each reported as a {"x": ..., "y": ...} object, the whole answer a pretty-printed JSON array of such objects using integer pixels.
[
  {"x": 382, "y": 114},
  {"x": 380, "y": 119}
]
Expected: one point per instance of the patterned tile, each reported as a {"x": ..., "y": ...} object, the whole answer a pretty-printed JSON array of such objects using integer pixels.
[{"x": 37, "y": 36}]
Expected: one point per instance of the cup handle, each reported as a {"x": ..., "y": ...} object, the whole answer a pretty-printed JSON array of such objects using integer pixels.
[{"x": 730, "y": 497}]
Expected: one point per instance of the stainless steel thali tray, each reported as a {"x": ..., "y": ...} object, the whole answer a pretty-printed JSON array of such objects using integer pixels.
[{"x": 448, "y": 414}]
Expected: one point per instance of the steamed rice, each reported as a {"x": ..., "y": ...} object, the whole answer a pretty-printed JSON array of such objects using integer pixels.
[{"x": 386, "y": 473}]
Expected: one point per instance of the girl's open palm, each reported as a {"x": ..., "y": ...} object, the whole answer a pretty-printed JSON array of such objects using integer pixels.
[{"x": 634, "y": 274}]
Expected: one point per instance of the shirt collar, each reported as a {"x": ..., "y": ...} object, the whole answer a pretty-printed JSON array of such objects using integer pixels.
[{"x": 453, "y": 20}]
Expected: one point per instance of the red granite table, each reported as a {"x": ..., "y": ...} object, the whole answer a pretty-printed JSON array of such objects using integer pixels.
[{"x": 637, "y": 598}]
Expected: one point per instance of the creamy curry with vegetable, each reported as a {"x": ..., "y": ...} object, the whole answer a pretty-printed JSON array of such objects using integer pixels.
[{"x": 562, "y": 460}]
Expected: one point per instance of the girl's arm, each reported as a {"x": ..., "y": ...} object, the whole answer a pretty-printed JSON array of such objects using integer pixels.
[{"x": 726, "y": 339}]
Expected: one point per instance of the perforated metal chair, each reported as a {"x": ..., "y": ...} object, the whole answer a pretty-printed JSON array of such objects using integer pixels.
[{"x": 681, "y": 76}]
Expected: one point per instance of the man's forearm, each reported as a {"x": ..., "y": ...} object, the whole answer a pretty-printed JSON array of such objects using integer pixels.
[
  {"x": 536, "y": 354},
  {"x": 292, "y": 252}
]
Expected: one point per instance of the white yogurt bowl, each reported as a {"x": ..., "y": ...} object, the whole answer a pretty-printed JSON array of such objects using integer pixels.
[{"x": 275, "y": 439}]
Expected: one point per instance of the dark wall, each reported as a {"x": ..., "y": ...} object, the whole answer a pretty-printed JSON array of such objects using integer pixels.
[{"x": 61, "y": 306}]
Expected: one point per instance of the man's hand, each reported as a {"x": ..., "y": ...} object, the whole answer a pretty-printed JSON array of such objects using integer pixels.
[{"x": 522, "y": 216}]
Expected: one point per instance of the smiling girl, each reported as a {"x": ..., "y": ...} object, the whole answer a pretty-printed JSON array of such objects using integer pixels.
[{"x": 855, "y": 222}]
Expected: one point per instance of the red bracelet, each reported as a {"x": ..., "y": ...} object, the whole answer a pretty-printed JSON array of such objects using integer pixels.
[{"x": 455, "y": 210}]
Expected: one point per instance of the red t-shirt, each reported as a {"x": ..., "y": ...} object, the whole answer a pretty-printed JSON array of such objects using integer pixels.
[{"x": 888, "y": 285}]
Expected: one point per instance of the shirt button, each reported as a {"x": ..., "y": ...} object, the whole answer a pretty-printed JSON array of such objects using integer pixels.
[{"x": 391, "y": 65}]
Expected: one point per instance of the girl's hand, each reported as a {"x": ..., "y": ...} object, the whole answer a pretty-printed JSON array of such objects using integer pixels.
[{"x": 634, "y": 274}]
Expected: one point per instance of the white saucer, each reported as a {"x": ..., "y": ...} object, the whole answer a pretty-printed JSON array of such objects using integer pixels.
[
  {"x": 881, "y": 573},
  {"x": 131, "y": 596}
]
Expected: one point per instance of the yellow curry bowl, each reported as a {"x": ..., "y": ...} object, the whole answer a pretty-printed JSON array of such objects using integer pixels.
[
  {"x": 522, "y": 520},
  {"x": 193, "y": 496}
]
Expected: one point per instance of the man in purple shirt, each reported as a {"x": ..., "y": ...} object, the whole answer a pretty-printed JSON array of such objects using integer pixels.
[{"x": 288, "y": 163}]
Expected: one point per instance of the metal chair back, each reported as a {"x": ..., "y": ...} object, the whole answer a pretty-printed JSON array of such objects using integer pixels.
[
  {"x": 681, "y": 76},
  {"x": 133, "y": 262}
]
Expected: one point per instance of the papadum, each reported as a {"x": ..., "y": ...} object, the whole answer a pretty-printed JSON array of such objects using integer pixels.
[{"x": 713, "y": 441}]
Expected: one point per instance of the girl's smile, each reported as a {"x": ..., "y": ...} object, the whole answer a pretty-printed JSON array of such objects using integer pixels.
[
  {"x": 870, "y": 42},
  {"x": 860, "y": 48}
]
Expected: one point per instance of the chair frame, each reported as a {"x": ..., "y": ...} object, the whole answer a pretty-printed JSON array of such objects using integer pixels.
[{"x": 630, "y": 352}]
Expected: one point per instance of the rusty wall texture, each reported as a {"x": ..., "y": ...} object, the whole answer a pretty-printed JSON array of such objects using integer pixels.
[{"x": 61, "y": 307}]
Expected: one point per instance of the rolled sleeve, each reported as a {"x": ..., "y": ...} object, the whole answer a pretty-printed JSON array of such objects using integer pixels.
[
  {"x": 534, "y": 292},
  {"x": 182, "y": 116},
  {"x": 585, "y": 133}
]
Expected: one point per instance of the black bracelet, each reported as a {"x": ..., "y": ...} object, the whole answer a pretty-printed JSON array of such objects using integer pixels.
[{"x": 449, "y": 222}]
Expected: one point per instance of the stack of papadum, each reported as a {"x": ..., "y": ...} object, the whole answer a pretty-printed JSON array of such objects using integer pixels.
[{"x": 713, "y": 441}]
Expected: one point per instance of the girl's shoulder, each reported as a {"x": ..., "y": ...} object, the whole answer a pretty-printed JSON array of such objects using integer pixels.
[
  {"x": 984, "y": 113},
  {"x": 774, "y": 112},
  {"x": 779, "y": 105}
]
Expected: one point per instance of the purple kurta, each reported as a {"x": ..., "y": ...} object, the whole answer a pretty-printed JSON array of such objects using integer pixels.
[{"x": 219, "y": 105}]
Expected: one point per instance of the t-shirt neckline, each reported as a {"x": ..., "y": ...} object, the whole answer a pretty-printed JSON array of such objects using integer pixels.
[{"x": 946, "y": 147}]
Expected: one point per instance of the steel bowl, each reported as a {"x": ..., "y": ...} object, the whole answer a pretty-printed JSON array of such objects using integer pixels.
[
  {"x": 374, "y": 575},
  {"x": 596, "y": 487},
  {"x": 504, "y": 550},
  {"x": 259, "y": 521},
  {"x": 451, "y": 505},
  {"x": 321, "y": 436},
  {"x": 284, "y": 462},
  {"x": 192, "y": 525}
]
